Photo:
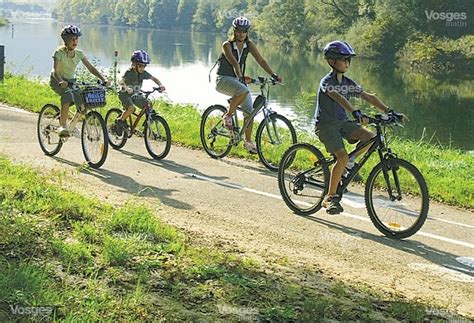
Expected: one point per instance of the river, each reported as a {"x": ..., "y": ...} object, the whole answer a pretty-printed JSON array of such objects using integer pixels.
[{"x": 440, "y": 110}]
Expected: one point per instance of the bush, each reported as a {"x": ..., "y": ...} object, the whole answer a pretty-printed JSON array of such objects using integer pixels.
[{"x": 439, "y": 55}]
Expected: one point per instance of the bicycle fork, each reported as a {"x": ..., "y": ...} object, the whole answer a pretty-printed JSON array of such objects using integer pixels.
[
  {"x": 273, "y": 128},
  {"x": 386, "y": 169}
]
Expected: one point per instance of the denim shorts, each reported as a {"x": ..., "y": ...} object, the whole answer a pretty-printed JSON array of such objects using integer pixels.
[
  {"x": 70, "y": 94},
  {"x": 231, "y": 86},
  {"x": 331, "y": 134}
]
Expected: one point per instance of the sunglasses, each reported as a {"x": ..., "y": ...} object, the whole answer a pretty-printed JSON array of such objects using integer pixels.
[
  {"x": 241, "y": 30},
  {"x": 345, "y": 59},
  {"x": 141, "y": 65}
]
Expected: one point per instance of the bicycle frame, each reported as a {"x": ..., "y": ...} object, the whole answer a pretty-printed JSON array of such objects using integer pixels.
[
  {"x": 267, "y": 112},
  {"x": 147, "y": 107},
  {"x": 139, "y": 116},
  {"x": 375, "y": 143}
]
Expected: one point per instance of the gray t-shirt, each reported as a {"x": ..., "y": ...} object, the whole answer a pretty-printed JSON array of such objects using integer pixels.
[{"x": 328, "y": 110}]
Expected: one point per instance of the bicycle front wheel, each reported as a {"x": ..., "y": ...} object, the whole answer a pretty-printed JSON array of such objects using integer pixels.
[
  {"x": 114, "y": 139},
  {"x": 48, "y": 123},
  {"x": 275, "y": 135},
  {"x": 303, "y": 178},
  {"x": 94, "y": 141},
  {"x": 397, "y": 198},
  {"x": 157, "y": 137},
  {"x": 215, "y": 138}
]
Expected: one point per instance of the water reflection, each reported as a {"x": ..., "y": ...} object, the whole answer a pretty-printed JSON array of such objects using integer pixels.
[{"x": 443, "y": 108}]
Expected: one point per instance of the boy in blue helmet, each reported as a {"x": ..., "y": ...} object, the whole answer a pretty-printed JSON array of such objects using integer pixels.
[
  {"x": 131, "y": 83},
  {"x": 332, "y": 123}
]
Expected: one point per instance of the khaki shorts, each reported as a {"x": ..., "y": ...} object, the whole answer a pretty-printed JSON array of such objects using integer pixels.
[
  {"x": 331, "y": 134},
  {"x": 70, "y": 94},
  {"x": 128, "y": 101}
]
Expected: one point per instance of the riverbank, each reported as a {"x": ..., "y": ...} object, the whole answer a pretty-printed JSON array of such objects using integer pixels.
[
  {"x": 438, "y": 165},
  {"x": 69, "y": 257}
]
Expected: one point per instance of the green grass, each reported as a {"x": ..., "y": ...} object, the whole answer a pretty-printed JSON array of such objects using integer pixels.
[
  {"x": 439, "y": 165},
  {"x": 90, "y": 262}
]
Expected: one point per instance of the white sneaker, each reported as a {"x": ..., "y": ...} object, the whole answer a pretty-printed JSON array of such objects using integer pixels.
[
  {"x": 63, "y": 131},
  {"x": 251, "y": 147}
]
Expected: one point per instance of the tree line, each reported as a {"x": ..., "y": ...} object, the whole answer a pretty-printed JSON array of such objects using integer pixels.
[{"x": 409, "y": 29}]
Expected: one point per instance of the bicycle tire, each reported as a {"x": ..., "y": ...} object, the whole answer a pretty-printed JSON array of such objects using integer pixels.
[
  {"x": 154, "y": 137},
  {"x": 390, "y": 216},
  {"x": 270, "y": 153},
  {"x": 48, "y": 122},
  {"x": 215, "y": 138},
  {"x": 303, "y": 178},
  {"x": 95, "y": 144},
  {"x": 115, "y": 140}
]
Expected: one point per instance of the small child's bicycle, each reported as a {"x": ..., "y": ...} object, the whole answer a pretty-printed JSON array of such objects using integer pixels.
[
  {"x": 396, "y": 195},
  {"x": 275, "y": 133},
  {"x": 156, "y": 131},
  {"x": 93, "y": 131}
]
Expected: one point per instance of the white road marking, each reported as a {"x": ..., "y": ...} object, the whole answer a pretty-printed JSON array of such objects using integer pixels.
[
  {"x": 466, "y": 261},
  {"x": 278, "y": 197}
]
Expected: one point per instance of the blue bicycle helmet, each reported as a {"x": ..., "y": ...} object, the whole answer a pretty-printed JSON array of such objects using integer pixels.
[
  {"x": 338, "y": 49},
  {"x": 140, "y": 56}
]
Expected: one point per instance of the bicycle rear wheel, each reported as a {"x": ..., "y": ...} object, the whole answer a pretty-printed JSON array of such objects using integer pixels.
[
  {"x": 397, "y": 198},
  {"x": 157, "y": 137},
  {"x": 94, "y": 139},
  {"x": 303, "y": 178},
  {"x": 115, "y": 140},
  {"x": 215, "y": 138},
  {"x": 48, "y": 123},
  {"x": 273, "y": 138}
]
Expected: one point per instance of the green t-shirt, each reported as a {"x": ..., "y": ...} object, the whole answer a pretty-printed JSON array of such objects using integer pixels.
[
  {"x": 67, "y": 65},
  {"x": 134, "y": 79}
]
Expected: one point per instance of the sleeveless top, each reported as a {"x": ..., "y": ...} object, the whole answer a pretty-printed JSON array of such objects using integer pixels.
[{"x": 224, "y": 66}]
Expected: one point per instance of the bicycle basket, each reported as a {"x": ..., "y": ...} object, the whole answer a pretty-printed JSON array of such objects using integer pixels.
[{"x": 94, "y": 97}]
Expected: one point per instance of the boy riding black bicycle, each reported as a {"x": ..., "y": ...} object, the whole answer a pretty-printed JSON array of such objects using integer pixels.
[
  {"x": 332, "y": 123},
  {"x": 131, "y": 84}
]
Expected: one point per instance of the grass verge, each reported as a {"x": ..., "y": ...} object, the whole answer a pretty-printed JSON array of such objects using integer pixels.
[
  {"x": 67, "y": 257},
  {"x": 437, "y": 164}
]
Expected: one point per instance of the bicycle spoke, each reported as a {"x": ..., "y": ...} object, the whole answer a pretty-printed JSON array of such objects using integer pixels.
[
  {"x": 302, "y": 178},
  {"x": 397, "y": 199}
]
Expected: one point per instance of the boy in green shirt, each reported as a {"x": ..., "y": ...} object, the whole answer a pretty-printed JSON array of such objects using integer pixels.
[{"x": 131, "y": 83}]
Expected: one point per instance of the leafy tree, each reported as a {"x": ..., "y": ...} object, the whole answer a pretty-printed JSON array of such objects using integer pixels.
[
  {"x": 185, "y": 12},
  {"x": 162, "y": 14}
]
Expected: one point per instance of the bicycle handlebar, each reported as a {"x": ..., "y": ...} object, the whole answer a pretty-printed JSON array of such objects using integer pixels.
[
  {"x": 261, "y": 80},
  {"x": 82, "y": 83},
  {"x": 383, "y": 119},
  {"x": 147, "y": 93}
]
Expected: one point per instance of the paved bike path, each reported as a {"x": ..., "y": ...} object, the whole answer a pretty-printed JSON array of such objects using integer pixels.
[{"x": 235, "y": 204}]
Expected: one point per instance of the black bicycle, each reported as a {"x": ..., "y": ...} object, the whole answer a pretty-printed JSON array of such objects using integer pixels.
[
  {"x": 156, "y": 131},
  {"x": 396, "y": 194},
  {"x": 93, "y": 137},
  {"x": 275, "y": 133}
]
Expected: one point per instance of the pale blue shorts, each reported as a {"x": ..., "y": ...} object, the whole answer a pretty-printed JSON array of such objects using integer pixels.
[{"x": 231, "y": 86}]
